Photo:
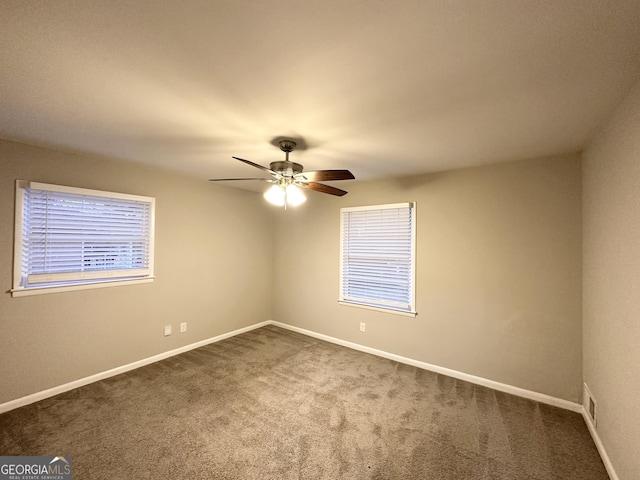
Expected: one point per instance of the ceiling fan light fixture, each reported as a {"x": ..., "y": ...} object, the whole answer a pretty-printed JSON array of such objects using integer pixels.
[
  {"x": 275, "y": 195},
  {"x": 285, "y": 196},
  {"x": 294, "y": 196}
]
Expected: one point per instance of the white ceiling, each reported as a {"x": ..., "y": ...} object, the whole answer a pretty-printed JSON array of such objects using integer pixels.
[{"x": 379, "y": 87}]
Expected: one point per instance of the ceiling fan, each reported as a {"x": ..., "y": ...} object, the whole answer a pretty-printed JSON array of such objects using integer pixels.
[{"x": 287, "y": 176}]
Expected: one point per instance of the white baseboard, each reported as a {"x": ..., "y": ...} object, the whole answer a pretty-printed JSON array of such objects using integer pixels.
[
  {"x": 596, "y": 439},
  {"x": 35, "y": 397},
  {"x": 502, "y": 387}
]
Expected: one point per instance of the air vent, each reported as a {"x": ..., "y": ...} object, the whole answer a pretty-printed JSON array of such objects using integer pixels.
[{"x": 589, "y": 404}]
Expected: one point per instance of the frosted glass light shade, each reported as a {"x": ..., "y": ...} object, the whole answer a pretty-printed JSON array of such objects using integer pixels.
[
  {"x": 279, "y": 195},
  {"x": 275, "y": 195},
  {"x": 294, "y": 196}
]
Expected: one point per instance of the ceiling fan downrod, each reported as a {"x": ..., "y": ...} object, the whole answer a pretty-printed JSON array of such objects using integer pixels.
[{"x": 287, "y": 146}]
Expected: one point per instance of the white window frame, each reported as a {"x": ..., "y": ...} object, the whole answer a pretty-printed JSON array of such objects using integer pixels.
[
  {"x": 373, "y": 304},
  {"x": 35, "y": 284}
]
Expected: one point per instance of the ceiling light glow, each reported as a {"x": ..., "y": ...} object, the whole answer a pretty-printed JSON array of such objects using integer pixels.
[{"x": 285, "y": 195}]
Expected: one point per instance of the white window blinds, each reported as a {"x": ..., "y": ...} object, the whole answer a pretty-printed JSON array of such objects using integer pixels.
[
  {"x": 378, "y": 256},
  {"x": 71, "y": 235}
]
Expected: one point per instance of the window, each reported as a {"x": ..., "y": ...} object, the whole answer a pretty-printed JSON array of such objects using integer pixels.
[
  {"x": 377, "y": 257},
  {"x": 71, "y": 238}
]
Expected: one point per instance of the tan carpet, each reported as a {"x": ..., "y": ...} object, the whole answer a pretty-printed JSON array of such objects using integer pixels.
[{"x": 273, "y": 404}]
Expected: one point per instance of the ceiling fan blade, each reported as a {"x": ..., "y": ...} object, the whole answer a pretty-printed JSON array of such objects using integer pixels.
[
  {"x": 249, "y": 162},
  {"x": 321, "y": 187},
  {"x": 326, "y": 175},
  {"x": 234, "y": 179}
]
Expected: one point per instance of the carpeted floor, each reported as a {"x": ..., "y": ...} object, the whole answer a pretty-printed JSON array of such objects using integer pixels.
[{"x": 274, "y": 404}]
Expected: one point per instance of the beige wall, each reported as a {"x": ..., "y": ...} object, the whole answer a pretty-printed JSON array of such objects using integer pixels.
[
  {"x": 212, "y": 256},
  {"x": 498, "y": 285},
  {"x": 612, "y": 283},
  {"x": 498, "y": 272}
]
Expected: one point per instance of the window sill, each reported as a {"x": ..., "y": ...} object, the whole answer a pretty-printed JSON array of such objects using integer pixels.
[
  {"x": 25, "y": 292},
  {"x": 378, "y": 309}
]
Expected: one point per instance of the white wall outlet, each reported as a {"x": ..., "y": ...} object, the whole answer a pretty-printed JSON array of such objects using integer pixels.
[
  {"x": 362, "y": 326},
  {"x": 167, "y": 330},
  {"x": 183, "y": 327}
]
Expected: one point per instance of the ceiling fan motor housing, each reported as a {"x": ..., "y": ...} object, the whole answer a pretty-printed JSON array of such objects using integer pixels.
[{"x": 288, "y": 169}]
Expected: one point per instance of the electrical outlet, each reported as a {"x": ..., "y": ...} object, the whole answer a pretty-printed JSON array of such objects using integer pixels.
[
  {"x": 167, "y": 330},
  {"x": 183, "y": 327},
  {"x": 362, "y": 326}
]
